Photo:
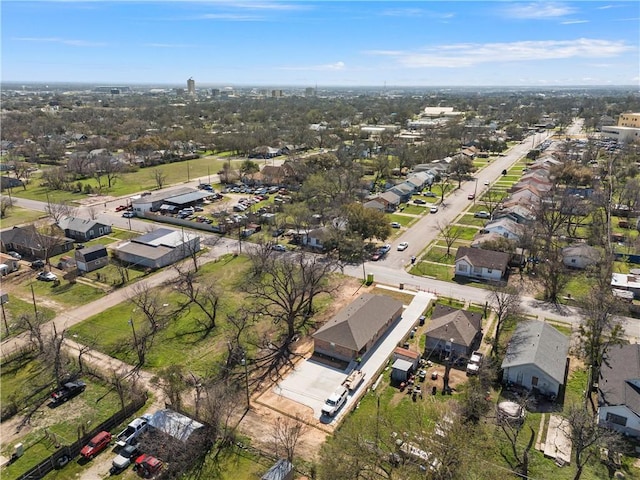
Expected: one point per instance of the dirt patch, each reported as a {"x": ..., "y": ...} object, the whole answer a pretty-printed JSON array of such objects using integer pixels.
[{"x": 96, "y": 200}]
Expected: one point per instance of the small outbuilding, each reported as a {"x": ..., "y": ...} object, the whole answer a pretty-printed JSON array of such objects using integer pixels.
[{"x": 400, "y": 371}]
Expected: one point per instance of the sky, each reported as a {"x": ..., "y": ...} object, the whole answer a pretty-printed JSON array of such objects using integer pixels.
[{"x": 322, "y": 43}]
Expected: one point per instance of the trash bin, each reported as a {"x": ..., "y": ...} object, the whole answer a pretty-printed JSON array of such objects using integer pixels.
[
  {"x": 422, "y": 319},
  {"x": 369, "y": 278},
  {"x": 402, "y": 286}
]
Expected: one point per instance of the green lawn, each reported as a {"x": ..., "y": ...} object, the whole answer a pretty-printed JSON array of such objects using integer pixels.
[
  {"x": 178, "y": 343},
  {"x": 469, "y": 219},
  {"x": 439, "y": 255},
  {"x": 403, "y": 220},
  {"x": 130, "y": 183},
  {"x": 18, "y": 215},
  {"x": 71, "y": 295},
  {"x": 468, "y": 233},
  {"x": 413, "y": 209},
  {"x": 16, "y": 307},
  {"x": 427, "y": 269}
]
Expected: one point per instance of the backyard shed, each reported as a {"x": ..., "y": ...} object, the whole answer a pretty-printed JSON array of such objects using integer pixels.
[
  {"x": 281, "y": 470},
  {"x": 400, "y": 371}
]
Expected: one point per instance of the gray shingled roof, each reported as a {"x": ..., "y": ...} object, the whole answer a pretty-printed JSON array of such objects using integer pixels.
[
  {"x": 538, "y": 343},
  {"x": 484, "y": 258},
  {"x": 357, "y": 323},
  {"x": 78, "y": 224},
  {"x": 448, "y": 322},
  {"x": 619, "y": 382}
]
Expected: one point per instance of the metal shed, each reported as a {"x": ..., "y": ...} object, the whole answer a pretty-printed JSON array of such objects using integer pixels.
[
  {"x": 282, "y": 470},
  {"x": 400, "y": 371}
]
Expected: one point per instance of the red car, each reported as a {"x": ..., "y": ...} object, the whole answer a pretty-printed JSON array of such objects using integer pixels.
[
  {"x": 147, "y": 466},
  {"x": 119, "y": 208},
  {"x": 96, "y": 445}
]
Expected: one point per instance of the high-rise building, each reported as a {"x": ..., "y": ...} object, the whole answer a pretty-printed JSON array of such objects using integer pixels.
[
  {"x": 191, "y": 86},
  {"x": 309, "y": 92}
]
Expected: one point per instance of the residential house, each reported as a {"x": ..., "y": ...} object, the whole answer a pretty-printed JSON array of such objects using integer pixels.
[
  {"x": 175, "y": 425},
  {"x": 504, "y": 226},
  {"x": 158, "y": 248},
  {"x": 357, "y": 327},
  {"x": 541, "y": 184},
  {"x": 375, "y": 204},
  {"x": 317, "y": 238},
  {"x": 528, "y": 193},
  {"x": 272, "y": 175},
  {"x": 490, "y": 238},
  {"x": 7, "y": 182},
  {"x": 419, "y": 180},
  {"x": 521, "y": 213},
  {"x": 626, "y": 281},
  {"x": 536, "y": 358},
  {"x": 29, "y": 242},
  {"x": 404, "y": 191},
  {"x": 479, "y": 263},
  {"x": 83, "y": 230},
  {"x": 580, "y": 256},
  {"x": 619, "y": 389},
  {"x": 91, "y": 258},
  {"x": 453, "y": 331},
  {"x": 408, "y": 355}
]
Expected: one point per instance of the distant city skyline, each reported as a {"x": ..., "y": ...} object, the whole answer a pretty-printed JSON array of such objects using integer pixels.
[{"x": 308, "y": 43}]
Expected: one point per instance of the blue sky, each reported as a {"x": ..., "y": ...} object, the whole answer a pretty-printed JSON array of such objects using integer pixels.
[{"x": 308, "y": 43}]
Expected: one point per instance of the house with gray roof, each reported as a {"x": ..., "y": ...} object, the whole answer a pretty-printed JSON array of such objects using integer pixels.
[
  {"x": 83, "y": 230},
  {"x": 479, "y": 263},
  {"x": 357, "y": 327},
  {"x": 504, "y": 226},
  {"x": 91, "y": 258},
  {"x": 619, "y": 390},
  {"x": 580, "y": 256},
  {"x": 453, "y": 331},
  {"x": 536, "y": 358},
  {"x": 403, "y": 190}
]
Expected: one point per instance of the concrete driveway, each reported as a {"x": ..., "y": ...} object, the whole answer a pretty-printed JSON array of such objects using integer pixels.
[{"x": 312, "y": 382}]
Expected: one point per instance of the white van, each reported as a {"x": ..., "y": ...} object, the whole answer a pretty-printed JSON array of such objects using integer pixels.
[{"x": 335, "y": 401}]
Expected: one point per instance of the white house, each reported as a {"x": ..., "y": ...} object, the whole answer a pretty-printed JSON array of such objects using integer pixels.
[
  {"x": 580, "y": 256},
  {"x": 619, "y": 389},
  {"x": 479, "y": 263},
  {"x": 504, "y": 226},
  {"x": 536, "y": 358}
]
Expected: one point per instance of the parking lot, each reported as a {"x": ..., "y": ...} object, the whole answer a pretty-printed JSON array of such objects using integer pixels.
[{"x": 312, "y": 382}]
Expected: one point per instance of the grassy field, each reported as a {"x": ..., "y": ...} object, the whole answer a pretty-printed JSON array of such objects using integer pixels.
[
  {"x": 439, "y": 255},
  {"x": 470, "y": 220},
  {"x": 18, "y": 215},
  {"x": 427, "y": 269},
  {"x": 68, "y": 294},
  {"x": 129, "y": 183},
  {"x": 16, "y": 307}
]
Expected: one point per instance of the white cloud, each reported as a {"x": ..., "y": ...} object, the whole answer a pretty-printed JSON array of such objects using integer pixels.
[
  {"x": 62, "y": 41},
  {"x": 326, "y": 67},
  {"x": 538, "y": 10},
  {"x": 469, "y": 54},
  {"x": 573, "y": 22}
]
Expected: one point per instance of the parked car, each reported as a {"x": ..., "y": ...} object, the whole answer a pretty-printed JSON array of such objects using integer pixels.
[
  {"x": 482, "y": 214},
  {"x": 473, "y": 367},
  {"x": 402, "y": 246},
  {"x": 128, "y": 214},
  {"x": 130, "y": 434},
  {"x": 47, "y": 276},
  {"x": 37, "y": 264},
  {"x": 471, "y": 196},
  {"x": 67, "y": 391},
  {"x": 385, "y": 248},
  {"x": 419, "y": 201},
  {"x": 433, "y": 209},
  {"x": 119, "y": 208},
  {"x": 15, "y": 255},
  {"x": 96, "y": 445},
  {"x": 430, "y": 194},
  {"x": 147, "y": 466},
  {"x": 124, "y": 458},
  {"x": 395, "y": 225},
  {"x": 279, "y": 248}
]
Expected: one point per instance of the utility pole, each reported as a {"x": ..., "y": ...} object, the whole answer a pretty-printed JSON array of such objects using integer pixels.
[
  {"x": 35, "y": 307},
  {"x": 4, "y": 298},
  {"x": 246, "y": 380},
  {"x": 135, "y": 338}
]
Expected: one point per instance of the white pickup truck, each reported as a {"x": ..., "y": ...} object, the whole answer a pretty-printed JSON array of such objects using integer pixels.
[
  {"x": 133, "y": 431},
  {"x": 473, "y": 367},
  {"x": 335, "y": 401}
]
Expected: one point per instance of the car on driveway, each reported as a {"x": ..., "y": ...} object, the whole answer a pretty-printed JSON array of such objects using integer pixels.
[
  {"x": 402, "y": 246},
  {"x": 433, "y": 209},
  {"x": 419, "y": 201},
  {"x": 128, "y": 214},
  {"x": 279, "y": 248},
  {"x": 482, "y": 214},
  {"x": 147, "y": 466},
  {"x": 47, "y": 276},
  {"x": 395, "y": 225},
  {"x": 430, "y": 194},
  {"x": 37, "y": 264},
  {"x": 96, "y": 445},
  {"x": 15, "y": 255},
  {"x": 124, "y": 458}
]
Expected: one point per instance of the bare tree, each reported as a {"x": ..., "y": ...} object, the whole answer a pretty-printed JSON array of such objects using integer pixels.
[
  {"x": 505, "y": 302},
  {"x": 450, "y": 233},
  {"x": 149, "y": 301},
  {"x": 520, "y": 461},
  {"x": 32, "y": 324},
  {"x": 587, "y": 437},
  {"x": 160, "y": 178},
  {"x": 492, "y": 199},
  {"x": 172, "y": 381},
  {"x": 205, "y": 296},
  {"x": 58, "y": 211},
  {"x": 92, "y": 211},
  {"x": 47, "y": 239},
  {"x": 286, "y": 433}
]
